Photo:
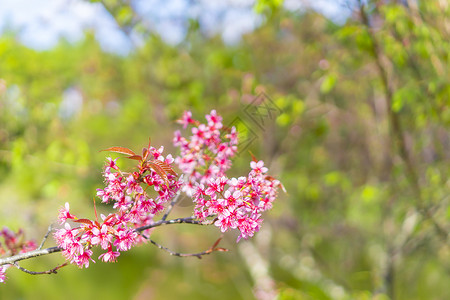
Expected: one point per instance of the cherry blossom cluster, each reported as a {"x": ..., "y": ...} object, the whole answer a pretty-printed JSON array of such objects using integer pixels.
[
  {"x": 134, "y": 207},
  {"x": 206, "y": 154},
  {"x": 13, "y": 243},
  {"x": 235, "y": 203},
  {"x": 137, "y": 197}
]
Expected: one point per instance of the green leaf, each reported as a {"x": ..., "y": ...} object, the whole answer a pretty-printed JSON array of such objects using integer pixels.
[
  {"x": 397, "y": 103},
  {"x": 328, "y": 83},
  {"x": 262, "y": 5},
  {"x": 283, "y": 120}
]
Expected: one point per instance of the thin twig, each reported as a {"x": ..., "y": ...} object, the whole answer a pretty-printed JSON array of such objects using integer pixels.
[
  {"x": 198, "y": 255},
  {"x": 52, "y": 271},
  {"x": 50, "y": 228},
  {"x": 172, "y": 204},
  {"x": 170, "y": 207}
]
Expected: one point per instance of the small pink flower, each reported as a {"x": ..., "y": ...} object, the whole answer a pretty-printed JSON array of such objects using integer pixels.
[
  {"x": 75, "y": 247},
  {"x": 101, "y": 237},
  {"x": 178, "y": 140},
  {"x": 132, "y": 185},
  {"x": 186, "y": 119},
  {"x": 146, "y": 205},
  {"x": 214, "y": 120},
  {"x": 103, "y": 195},
  {"x": 217, "y": 206},
  {"x": 232, "y": 198},
  {"x": 226, "y": 220},
  {"x": 64, "y": 214},
  {"x": 258, "y": 167},
  {"x": 232, "y": 136},
  {"x": 28, "y": 246},
  {"x": 82, "y": 260},
  {"x": 125, "y": 239},
  {"x": 65, "y": 236},
  {"x": 198, "y": 191},
  {"x": 110, "y": 256},
  {"x": 2, "y": 273},
  {"x": 111, "y": 164},
  {"x": 248, "y": 226},
  {"x": 157, "y": 209}
]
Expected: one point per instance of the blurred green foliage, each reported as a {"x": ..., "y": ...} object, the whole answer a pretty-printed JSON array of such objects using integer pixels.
[{"x": 361, "y": 143}]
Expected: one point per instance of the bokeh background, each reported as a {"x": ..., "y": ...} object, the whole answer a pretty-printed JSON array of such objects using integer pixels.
[{"x": 358, "y": 134}]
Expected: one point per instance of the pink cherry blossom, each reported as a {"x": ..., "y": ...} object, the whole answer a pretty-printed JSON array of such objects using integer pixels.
[
  {"x": 82, "y": 260},
  {"x": 248, "y": 225},
  {"x": 101, "y": 237},
  {"x": 205, "y": 157},
  {"x": 64, "y": 214},
  {"x": 2, "y": 273},
  {"x": 226, "y": 219},
  {"x": 186, "y": 119},
  {"x": 111, "y": 164},
  {"x": 110, "y": 256},
  {"x": 65, "y": 236},
  {"x": 258, "y": 167},
  {"x": 125, "y": 239},
  {"x": 138, "y": 197}
]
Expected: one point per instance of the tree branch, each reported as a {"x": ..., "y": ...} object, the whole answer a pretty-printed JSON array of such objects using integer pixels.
[
  {"x": 188, "y": 220},
  {"x": 198, "y": 255},
  {"x": 28, "y": 255},
  {"x": 39, "y": 252}
]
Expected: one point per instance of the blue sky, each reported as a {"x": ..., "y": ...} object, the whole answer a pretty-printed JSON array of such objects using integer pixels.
[{"x": 41, "y": 23}]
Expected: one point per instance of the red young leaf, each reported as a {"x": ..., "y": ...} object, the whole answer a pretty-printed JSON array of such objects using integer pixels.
[
  {"x": 216, "y": 243},
  {"x": 253, "y": 157},
  {"x": 166, "y": 167},
  {"x": 135, "y": 157},
  {"x": 84, "y": 221},
  {"x": 109, "y": 217},
  {"x": 149, "y": 142},
  {"x": 121, "y": 150},
  {"x": 146, "y": 151},
  {"x": 95, "y": 210},
  {"x": 160, "y": 171}
]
